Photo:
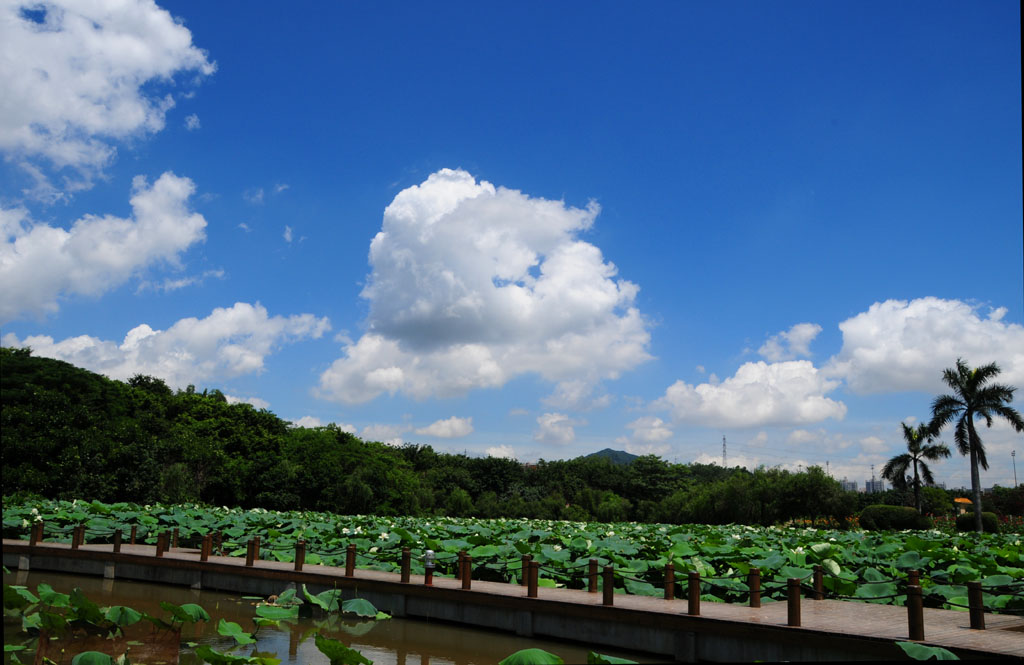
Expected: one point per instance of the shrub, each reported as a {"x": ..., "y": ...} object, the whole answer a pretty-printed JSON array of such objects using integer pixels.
[
  {"x": 892, "y": 518},
  {"x": 989, "y": 522}
]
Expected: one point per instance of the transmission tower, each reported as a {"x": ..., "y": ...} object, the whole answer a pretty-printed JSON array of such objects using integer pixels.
[{"x": 723, "y": 451}]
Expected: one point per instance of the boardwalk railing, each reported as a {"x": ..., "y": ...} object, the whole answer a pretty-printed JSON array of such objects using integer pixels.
[{"x": 590, "y": 576}]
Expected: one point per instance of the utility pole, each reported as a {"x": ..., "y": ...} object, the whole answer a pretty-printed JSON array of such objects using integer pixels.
[
  {"x": 723, "y": 451},
  {"x": 1013, "y": 456}
]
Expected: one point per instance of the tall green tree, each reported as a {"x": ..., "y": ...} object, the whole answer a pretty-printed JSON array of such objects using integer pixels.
[
  {"x": 919, "y": 448},
  {"x": 974, "y": 397}
]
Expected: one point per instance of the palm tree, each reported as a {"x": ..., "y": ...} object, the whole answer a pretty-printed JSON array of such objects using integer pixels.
[
  {"x": 972, "y": 398},
  {"x": 919, "y": 448}
]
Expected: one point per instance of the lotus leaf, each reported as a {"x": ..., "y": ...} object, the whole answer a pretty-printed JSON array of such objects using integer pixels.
[
  {"x": 232, "y": 629},
  {"x": 532, "y": 656},
  {"x": 338, "y": 653}
]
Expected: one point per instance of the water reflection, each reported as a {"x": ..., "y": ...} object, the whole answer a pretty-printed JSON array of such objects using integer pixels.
[{"x": 391, "y": 642}]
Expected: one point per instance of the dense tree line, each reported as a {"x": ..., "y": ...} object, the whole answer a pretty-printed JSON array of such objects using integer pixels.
[{"x": 70, "y": 433}]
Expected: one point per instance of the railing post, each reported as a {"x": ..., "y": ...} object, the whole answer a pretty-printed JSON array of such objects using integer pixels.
[
  {"x": 592, "y": 574},
  {"x": 35, "y": 534},
  {"x": 74, "y": 538},
  {"x": 913, "y": 577},
  {"x": 458, "y": 564},
  {"x": 670, "y": 581},
  {"x": 976, "y": 601},
  {"x": 204, "y": 552},
  {"x": 256, "y": 548},
  {"x": 117, "y": 541},
  {"x": 524, "y": 570},
  {"x": 754, "y": 583},
  {"x": 819, "y": 583},
  {"x": 300, "y": 555},
  {"x": 350, "y": 560},
  {"x": 160, "y": 544},
  {"x": 531, "y": 585},
  {"x": 250, "y": 552},
  {"x": 135, "y": 528},
  {"x": 608, "y": 595},
  {"x": 406, "y": 564},
  {"x": 428, "y": 568},
  {"x": 793, "y": 597},
  {"x": 915, "y": 612},
  {"x": 693, "y": 594},
  {"x": 467, "y": 572},
  {"x": 174, "y": 538}
]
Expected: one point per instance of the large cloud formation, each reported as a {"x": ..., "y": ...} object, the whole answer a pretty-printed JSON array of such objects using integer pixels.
[
  {"x": 473, "y": 285},
  {"x": 760, "y": 393},
  {"x": 904, "y": 345},
  {"x": 40, "y": 263},
  {"x": 230, "y": 342},
  {"x": 78, "y": 75}
]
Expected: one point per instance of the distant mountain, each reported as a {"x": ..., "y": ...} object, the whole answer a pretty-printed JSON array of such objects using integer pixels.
[{"x": 616, "y": 456}]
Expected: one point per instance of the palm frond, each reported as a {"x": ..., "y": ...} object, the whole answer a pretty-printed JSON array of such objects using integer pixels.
[
  {"x": 926, "y": 473},
  {"x": 960, "y": 437},
  {"x": 1012, "y": 415},
  {"x": 935, "y": 451}
]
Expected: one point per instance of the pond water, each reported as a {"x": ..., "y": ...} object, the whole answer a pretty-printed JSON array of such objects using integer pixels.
[{"x": 390, "y": 642}]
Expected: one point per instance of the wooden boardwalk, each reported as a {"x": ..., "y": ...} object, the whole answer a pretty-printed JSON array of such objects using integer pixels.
[{"x": 822, "y": 621}]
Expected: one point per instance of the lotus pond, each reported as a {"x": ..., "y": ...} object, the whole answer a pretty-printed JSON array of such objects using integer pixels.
[{"x": 857, "y": 565}]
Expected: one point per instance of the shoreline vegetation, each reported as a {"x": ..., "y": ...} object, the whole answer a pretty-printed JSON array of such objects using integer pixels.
[{"x": 68, "y": 433}]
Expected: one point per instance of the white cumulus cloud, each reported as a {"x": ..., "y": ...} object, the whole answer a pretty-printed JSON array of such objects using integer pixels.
[
  {"x": 648, "y": 438},
  {"x": 555, "y": 428},
  {"x": 192, "y": 122},
  {"x": 78, "y": 76},
  {"x": 309, "y": 421},
  {"x": 790, "y": 344},
  {"x": 473, "y": 285},
  {"x": 230, "y": 342},
  {"x": 649, "y": 429},
  {"x": 451, "y": 428},
  {"x": 97, "y": 253},
  {"x": 392, "y": 435},
  {"x": 501, "y": 451},
  {"x": 254, "y": 401},
  {"x": 760, "y": 393},
  {"x": 905, "y": 345}
]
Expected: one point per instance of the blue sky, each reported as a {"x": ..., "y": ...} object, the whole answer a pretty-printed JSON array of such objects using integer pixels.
[{"x": 594, "y": 225}]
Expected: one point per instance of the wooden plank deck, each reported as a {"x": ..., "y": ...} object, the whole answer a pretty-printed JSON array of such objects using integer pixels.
[{"x": 822, "y": 619}]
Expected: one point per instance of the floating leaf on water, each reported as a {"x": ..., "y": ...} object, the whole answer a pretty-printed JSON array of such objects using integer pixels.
[
  {"x": 532, "y": 656},
  {"x": 232, "y": 629},
  {"x": 924, "y": 652},
  {"x": 122, "y": 616},
  {"x": 338, "y": 653},
  {"x": 359, "y": 607},
  {"x": 277, "y": 613}
]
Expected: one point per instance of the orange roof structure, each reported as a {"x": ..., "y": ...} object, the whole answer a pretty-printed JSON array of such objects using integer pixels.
[{"x": 961, "y": 499}]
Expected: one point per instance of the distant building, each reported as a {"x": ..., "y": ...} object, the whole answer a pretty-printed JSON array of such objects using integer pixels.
[
  {"x": 873, "y": 486},
  {"x": 941, "y": 486},
  {"x": 848, "y": 485}
]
